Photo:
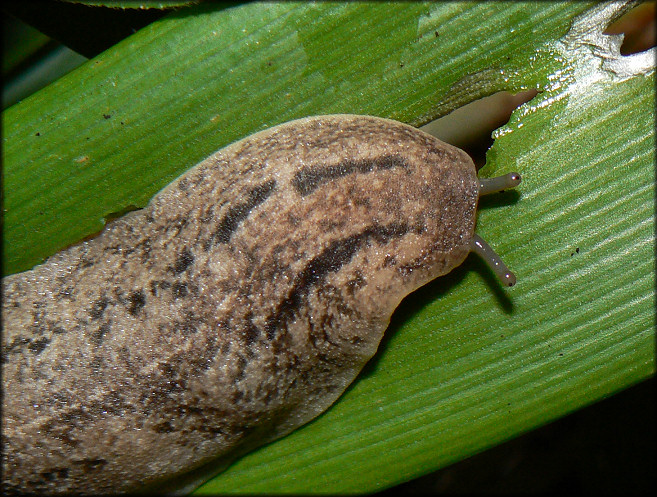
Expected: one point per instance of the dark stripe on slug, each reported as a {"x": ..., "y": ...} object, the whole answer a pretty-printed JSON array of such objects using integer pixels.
[
  {"x": 309, "y": 179},
  {"x": 183, "y": 262},
  {"x": 37, "y": 346},
  {"x": 332, "y": 259},
  {"x": 240, "y": 212},
  {"x": 98, "y": 308},
  {"x": 136, "y": 301},
  {"x": 97, "y": 335}
]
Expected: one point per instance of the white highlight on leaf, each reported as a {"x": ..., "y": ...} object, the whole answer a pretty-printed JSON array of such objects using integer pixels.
[
  {"x": 590, "y": 61},
  {"x": 586, "y": 35},
  {"x": 593, "y": 59}
]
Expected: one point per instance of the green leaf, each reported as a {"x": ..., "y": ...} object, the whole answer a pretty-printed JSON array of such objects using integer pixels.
[
  {"x": 84, "y": 29},
  {"x": 465, "y": 364},
  {"x": 21, "y": 42}
]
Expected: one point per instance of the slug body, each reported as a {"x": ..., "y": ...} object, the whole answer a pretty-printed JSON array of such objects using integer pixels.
[{"x": 238, "y": 305}]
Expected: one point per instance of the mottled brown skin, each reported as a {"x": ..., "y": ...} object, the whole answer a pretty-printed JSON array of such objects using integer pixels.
[{"x": 234, "y": 308}]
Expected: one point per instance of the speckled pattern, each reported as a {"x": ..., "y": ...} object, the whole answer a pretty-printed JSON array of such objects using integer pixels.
[{"x": 238, "y": 305}]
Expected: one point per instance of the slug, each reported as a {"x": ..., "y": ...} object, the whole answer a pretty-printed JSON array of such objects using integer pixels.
[{"x": 234, "y": 308}]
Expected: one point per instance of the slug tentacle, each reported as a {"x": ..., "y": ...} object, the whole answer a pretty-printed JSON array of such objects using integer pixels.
[
  {"x": 486, "y": 252},
  {"x": 499, "y": 183},
  {"x": 477, "y": 244}
]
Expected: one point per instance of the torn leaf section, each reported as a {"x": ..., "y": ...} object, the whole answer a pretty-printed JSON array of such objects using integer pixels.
[
  {"x": 586, "y": 37},
  {"x": 627, "y": 66},
  {"x": 590, "y": 62}
]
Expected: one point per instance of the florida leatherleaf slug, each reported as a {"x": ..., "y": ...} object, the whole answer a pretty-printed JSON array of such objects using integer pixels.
[{"x": 235, "y": 307}]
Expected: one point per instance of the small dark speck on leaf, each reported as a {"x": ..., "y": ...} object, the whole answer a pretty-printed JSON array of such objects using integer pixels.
[
  {"x": 37, "y": 134},
  {"x": 436, "y": 33},
  {"x": 107, "y": 116}
]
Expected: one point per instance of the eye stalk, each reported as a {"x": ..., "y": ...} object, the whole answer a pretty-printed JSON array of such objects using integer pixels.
[
  {"x": 478, "y": 245},
  {"x": 498, "y": 184},
  {"x": 493, "y": 260}
]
